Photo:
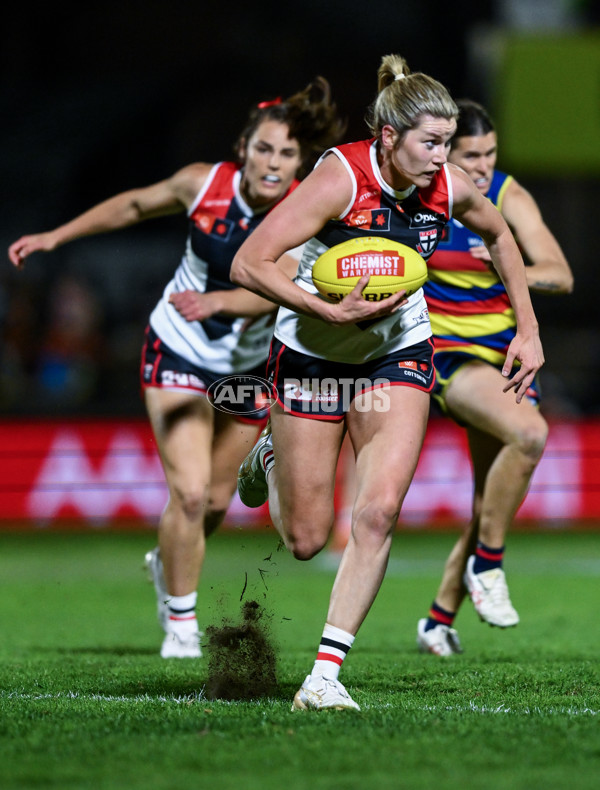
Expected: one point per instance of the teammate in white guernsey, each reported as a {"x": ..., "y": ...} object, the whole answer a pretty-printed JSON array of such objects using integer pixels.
[
  {"x": 220, "y": 220},
  {"x": 391, "y": 178},
  {"x": 204, "y": 328}
]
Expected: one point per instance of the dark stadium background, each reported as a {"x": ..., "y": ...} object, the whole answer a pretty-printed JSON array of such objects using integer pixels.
[{"x": 99, "y": 98}]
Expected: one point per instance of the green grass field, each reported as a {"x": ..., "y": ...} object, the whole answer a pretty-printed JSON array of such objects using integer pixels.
[{"x": 86, "y": 701}]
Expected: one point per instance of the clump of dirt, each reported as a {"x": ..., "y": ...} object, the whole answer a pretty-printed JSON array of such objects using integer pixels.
[{"x": 241, "y": 658}]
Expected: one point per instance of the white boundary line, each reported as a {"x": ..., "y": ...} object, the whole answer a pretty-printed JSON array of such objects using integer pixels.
[
  {"x": 199, "y": 697},
  {"x": 502, "y": 708},
  {"x": 75, "y": 695}
]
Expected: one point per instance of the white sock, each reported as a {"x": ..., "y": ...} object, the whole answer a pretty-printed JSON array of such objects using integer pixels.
[
  {"x": 333, "y": 649},
  {"x": 182, "y": 612}
]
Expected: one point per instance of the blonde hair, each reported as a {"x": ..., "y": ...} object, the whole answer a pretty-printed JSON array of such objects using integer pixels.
[{"x": 403, "y": 98}]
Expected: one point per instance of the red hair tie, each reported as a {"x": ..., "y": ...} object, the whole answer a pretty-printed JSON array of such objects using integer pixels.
[{"x": 261, "y": 105}]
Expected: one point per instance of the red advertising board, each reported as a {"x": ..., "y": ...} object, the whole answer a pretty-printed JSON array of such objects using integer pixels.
[{"x": 108, "y": 471}]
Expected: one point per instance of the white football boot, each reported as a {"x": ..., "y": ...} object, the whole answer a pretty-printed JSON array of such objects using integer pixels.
[
  {"x": 153, "y": 564},
  {"x": 440, "y": 640},
  {"x": 252, "y": 478},
  {"x": 182, "y": 640},
  {"x": 489, "y": 593},
  {"x": 182, "y": 645},
  {"x": 321, "y": 693}
]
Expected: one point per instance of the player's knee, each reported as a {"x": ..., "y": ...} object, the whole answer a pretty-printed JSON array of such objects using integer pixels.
[
  {"x": 303, "y": 549},
  {"x": 376, "y": 518},
  {"x": 192, "y": 503},
  {"x": 531, "y": 439},
  {"x": 304, "y": 540}
]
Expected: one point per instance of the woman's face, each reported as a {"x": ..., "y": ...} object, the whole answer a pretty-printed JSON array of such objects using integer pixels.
[
  {"x": 271, "y": 161},
  {"x": 419, "y": 155},
  {"x": 477, "y": 156}
]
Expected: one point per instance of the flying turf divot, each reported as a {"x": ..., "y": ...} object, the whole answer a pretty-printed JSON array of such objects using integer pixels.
[{"x": 241, "y": 658}]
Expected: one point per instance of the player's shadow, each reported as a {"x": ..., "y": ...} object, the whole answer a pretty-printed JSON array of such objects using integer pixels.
[{"x": 116, "y": 650}]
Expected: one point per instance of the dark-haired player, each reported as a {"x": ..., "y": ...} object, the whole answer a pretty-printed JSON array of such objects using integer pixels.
[{"x": 199, "y": 333}]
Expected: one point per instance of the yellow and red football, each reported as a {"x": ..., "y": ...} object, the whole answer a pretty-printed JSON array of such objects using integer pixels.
[{"x": 392, "y": 267}]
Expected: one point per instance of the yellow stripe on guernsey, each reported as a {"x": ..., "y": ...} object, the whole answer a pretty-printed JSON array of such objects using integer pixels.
[
  {"x": 481, "y": 352},
  {"x": 471, "y": 324},
  {"x": 466, "y": 279},
  {"x": 502, "y": 192}
]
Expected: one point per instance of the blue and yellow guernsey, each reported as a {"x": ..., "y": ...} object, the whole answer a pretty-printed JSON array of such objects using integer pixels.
[{"x": 470, "y": 312}]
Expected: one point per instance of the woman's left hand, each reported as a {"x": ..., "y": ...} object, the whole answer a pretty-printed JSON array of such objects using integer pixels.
[
  {"x": 529, "y": 352},
  {"x": 354, "y": 308},
  {"x": 195, "y": 306}
]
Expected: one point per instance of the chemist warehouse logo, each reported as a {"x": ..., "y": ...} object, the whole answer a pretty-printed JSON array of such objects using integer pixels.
[{"x": 242, "y": 395}]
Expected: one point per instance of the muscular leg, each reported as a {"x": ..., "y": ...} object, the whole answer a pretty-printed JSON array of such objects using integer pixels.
[
  {"x": 452, "y": 591},
  {"x": 183, "y": 427},
  {"x": 200, "y": 450},
  {"x": 387, "y": 447},
  {"x": 302, "y": 481},
  {"x": 231, "y": 443},
  {"x": 506, "y": 442},
  {"x": 475, "y": 398}
]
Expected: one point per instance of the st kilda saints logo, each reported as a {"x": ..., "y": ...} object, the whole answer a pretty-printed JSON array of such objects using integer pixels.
[{"x": 427, "y": 241}]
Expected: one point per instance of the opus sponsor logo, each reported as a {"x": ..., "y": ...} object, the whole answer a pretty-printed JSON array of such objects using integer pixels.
[{"x": 241, "y": 394}]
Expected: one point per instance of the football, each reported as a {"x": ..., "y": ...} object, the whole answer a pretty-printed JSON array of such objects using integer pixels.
[{"x": 392, "y": 266}]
